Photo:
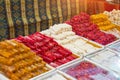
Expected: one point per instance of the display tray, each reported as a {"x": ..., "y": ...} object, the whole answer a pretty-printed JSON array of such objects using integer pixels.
[
  {"x": 3, "y": 77},
  {"x": 54, "y": 74},
  {"x": 107, "y": 58},
  {"x": 89, "y": 71}
]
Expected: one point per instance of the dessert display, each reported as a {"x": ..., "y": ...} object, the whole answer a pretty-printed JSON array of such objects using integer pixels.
[
  {"x": 86, "y": 70},
  {"x": 82, "y": 26},
  {"x": 79, "y": 49},
  {"x": 108, "y": 59},
  {"x": 105, "y": 25},
  {"x": 18, "y": 62},
  {"x": 47, "y": 48},
  {"x": 114, "y": 16},
  {"x": 63, "y": 34}
]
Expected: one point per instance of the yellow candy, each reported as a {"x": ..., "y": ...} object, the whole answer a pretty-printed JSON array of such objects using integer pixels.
[
  {"x": 102, "y": 21},
  {"x": 17, "y": 60}
]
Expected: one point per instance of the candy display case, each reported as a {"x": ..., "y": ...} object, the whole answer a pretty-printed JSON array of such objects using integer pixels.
[
  {"x": 83, "y": 48},
  {"x": 54, "y": 75},
  {"x": 59, "y": 40},
  {"x": 87, "y": 70},
  {"x": 63, "y": 34},
  {"x": 107, "y": 58}
]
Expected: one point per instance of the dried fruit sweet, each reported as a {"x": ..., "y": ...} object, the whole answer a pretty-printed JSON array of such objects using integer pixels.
[
  {"x": 88, "y": 71},
  {"x": 18, "y": 61},
  {"x": 89, "y": 30},
  {"x": 105, "y": 24},
  {"x": 63, "y": 34},
  {"x": 47, "y": 48},
  {"x": 113, "y": 16}
]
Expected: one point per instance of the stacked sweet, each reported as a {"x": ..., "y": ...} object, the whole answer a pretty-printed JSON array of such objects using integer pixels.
[
  {"x": 104, "y": 24},
  {"x": 17, "y": 62},
  {"x": 64, "y": 35},
  {"x": 82, "y": 26},
  {"x": 47, "y": 48},
  {"x": 102, "y": 21},
  {"x": 88, "y": 71},
  {"x": 56, "y": 76}
]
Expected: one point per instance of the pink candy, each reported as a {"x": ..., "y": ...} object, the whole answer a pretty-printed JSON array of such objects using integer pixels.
[{"x": 88, "y": 71}]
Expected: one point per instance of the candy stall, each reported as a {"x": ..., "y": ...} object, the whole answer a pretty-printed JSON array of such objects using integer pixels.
[{"x": 59, "y": 39}]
